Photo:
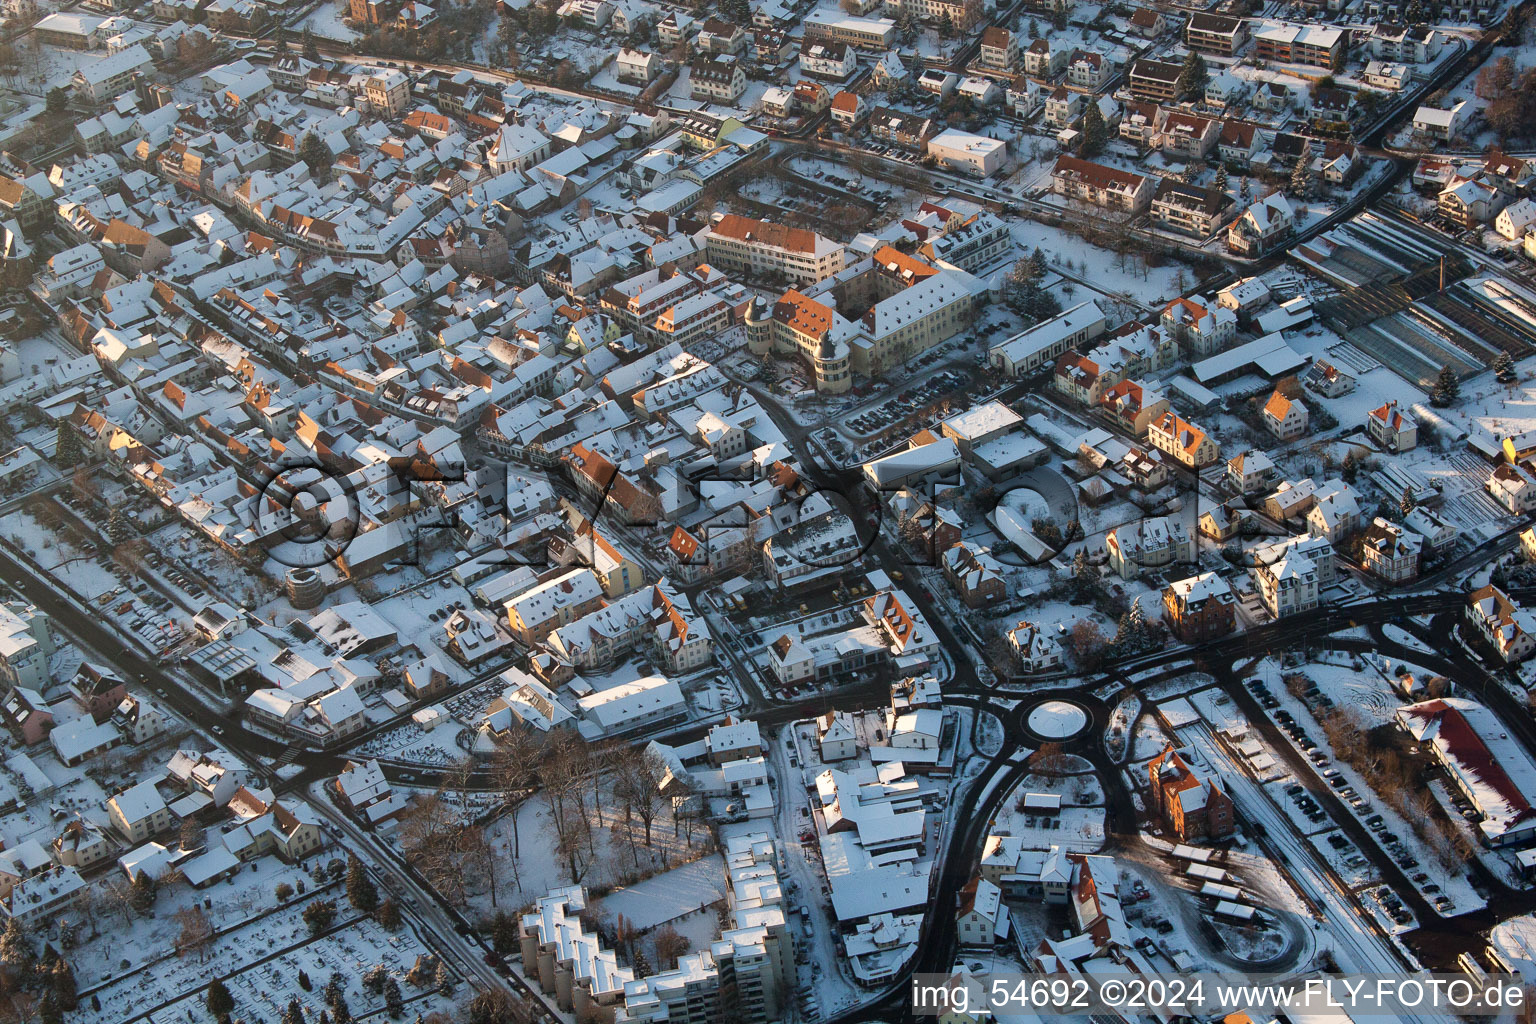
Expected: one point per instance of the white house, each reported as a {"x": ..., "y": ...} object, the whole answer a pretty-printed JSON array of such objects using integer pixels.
[
  {"x": 838, "y": 739},
  {"x": 1391, "y": 428},
  {"x": 1034, "y": 650},
  {"x": 980, "y": 910},
  {"x": 1515, "y": 218},
  {"x": 1434, "y": 123}
]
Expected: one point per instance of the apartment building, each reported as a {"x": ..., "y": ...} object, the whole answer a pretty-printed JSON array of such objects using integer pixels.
[
  {"x": 1403, "y": 44},
  {"x": 899, "y": 128},
  {"x": 1390, "y": 552},
  {"x": 1261, "y": 227},
  {"x": 1040, "y": 61},
  {"x": 1107, "y": 187},
  {"x": 717, "y": 79},
  {"x": 1190, "y": 209},
  {"x": 999, "y": 49},
  {"x": 26, "y": 645},
  {"x": 1187, "y": 137},
  {"x": 558, "y": 600},
  {"x": 761, "y": 247},
  {"x": 1148, "y": 544},
  {"x": 1216, "y": 34},
  {"x": 1288, "y": 586},
  {"x": 1508, "y": 628},
  {"x": 1088, "y": 70},
  {"x": 1313, "y": 45},
  {"x": 1155, "y": 80},
  {"x": 103, "y": 80},
  {"x": 388, "y": 93}
]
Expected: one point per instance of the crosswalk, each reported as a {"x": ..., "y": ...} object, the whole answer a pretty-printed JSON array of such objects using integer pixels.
[{"x": 289, "y": 756}]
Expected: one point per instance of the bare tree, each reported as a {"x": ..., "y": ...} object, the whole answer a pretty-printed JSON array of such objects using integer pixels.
[
  {"x": 196, "y": 932},
  {"x": 669, "y": 946},
  {"x": 515, "y": 768}
]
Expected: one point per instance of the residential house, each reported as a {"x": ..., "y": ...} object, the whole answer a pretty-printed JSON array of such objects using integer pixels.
[
  {"x": 1285, "y": 418},
  {"x": 1508, "y": 628},
  {"x": 1390, "y": 552},
  {"x": 1261, "y": 227},
  {"x": 1199, "y": 608},
  {"x": 1188, "y": 444},
  {"x": 1391, "y": 428},
  {"x": 1034, "y": 650}
]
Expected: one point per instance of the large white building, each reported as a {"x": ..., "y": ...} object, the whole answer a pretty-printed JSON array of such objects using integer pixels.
[
  {"x": 26, "y": 644},
  {"x": 976, "y": 155}
]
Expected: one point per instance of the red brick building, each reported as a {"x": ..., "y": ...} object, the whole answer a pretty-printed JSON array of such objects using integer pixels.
[{"x": 1191, "y": 807}]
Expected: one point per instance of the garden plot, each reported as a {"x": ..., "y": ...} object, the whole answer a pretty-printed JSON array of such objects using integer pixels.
[
  {"x": 151, "y": 940},
  {"x": 671, "y": 895},
  {"x": 263, "y": 991}
]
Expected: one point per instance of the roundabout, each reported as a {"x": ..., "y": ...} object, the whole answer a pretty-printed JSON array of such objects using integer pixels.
[{"x": 1057, "y": 720}]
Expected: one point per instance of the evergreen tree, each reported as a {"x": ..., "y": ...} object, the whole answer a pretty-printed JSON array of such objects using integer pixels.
[
  {"x": 48, "y": 1009},
  {"x": 946, "y": 26},
  {"x": 68, "y": 451},
  {"x": 1220, "y": 184},
  {"x": 317, "y": 156},
  {"x": 444, "y": 979},
  {"x": 1301, "y": 174},
  {"x": 1194, "y": 76},
  {"x": 388, "y": 916},
  {"x": 335, "y": 989},
  {"x": 1095, "y": 132},
  {"x": 311, "y": 49},
  {"x": 294, "y": 1014},
  {"x": 142, "y": 895},
  {"x": 1406, "y": 504},
  {"x": 17, "y": 958},
  {"x": 1059, "y": 18},
  {"x": 62, "y": 982},
  {"x": 218, "y": 1000},
  {"x": 284, "y": 38},
  {"x": 1504, "y": 369},
  {"x": 1138, "y": 622},
  {"x": 1038, "y": 267},
  {"x": 1245, "y": 191},
  {"x": 58, "y": 100},
  {"x": 319, "y": 915},
  {"x": 120, "y": 527},
  {"x": 1034, "y": 30},
  {"x": 361, "y": 892},
  {"x": 304, "y": 982},
  {"x": 393, "y": 1001},
  {"x": 1447, "y": 389}
]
